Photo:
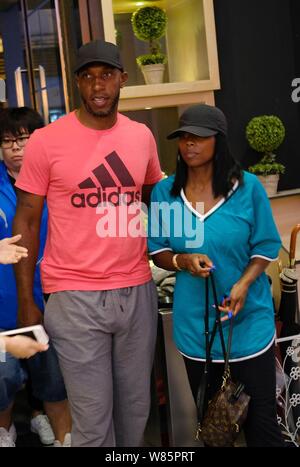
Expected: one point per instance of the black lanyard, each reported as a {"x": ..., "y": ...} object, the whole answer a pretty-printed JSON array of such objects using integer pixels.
[{"x": 202, "y": 397}]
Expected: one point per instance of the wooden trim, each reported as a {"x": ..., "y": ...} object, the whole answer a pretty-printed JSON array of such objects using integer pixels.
[
  {"x": 96, "y": 20},
  {"x": 62, "y": 56},
  {"x": 108, "y": 21},
  {"x": 211, "y": 41},
  {"x": 166, "y": 100},
  {"x": 84, "y": 21},
  {"x": 149, "y": 90}
]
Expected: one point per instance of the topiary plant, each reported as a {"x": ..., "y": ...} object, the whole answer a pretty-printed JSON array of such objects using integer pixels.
[
  {"x": 149, "y": 24},
  {"x": 265, "y": 134}
]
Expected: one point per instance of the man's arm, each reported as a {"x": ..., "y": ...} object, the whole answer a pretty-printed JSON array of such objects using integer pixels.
[{"x": 27, "y": 223}]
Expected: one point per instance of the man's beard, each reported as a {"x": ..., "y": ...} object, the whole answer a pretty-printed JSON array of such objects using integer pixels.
[{"x": 102, "y": 113}]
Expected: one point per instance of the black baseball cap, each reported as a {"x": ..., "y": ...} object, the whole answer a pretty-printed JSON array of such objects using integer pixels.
[
  {"x": 201, "y": 120},
  {"x": 98, "y": 51}
]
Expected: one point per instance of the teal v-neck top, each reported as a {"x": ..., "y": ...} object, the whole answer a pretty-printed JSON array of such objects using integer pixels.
[{"x": 231, "y": 233}]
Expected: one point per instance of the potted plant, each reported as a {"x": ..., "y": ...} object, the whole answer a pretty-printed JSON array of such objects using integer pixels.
[
  {"x": 149, "y": 24},
  {"x": 265, "y": 134}
]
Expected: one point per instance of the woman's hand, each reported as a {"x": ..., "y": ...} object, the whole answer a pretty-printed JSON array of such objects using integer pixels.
[
  {"x": 195, "y": 264},
  {"x": 235, "y": 302},
  {"x": 239, "y": 291},
  {"x": 10, "y": 253}
]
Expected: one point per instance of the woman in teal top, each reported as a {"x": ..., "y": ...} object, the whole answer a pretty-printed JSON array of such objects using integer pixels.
[{"x": 211, "y": 213}]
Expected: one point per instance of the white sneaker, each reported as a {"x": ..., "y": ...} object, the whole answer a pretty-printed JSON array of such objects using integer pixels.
[
  {"x": 66, "y": 443},
  {"x": 6, "y": 440},
  {"x": 41, "y": 426}
]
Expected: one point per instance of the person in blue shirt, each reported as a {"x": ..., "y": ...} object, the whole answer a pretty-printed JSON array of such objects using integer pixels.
[
  {"x": 16, "y": 125},
  {"x": 211, "y": 213},
  {"x": 18, "y": 346}
]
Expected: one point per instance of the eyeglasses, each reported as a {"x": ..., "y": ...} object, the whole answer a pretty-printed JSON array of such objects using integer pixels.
[{"x": 7, "y": 143}]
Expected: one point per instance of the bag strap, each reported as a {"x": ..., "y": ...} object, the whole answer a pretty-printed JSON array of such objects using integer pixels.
[
  {"x": 226, "y": 373},
  {"x": 229, "y": 342},
  {"x": 217, "y": 324},
  {"x": 202, "y": 396}
]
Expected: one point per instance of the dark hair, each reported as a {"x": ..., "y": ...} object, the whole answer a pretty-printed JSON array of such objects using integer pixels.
[
  {"x": 14, "y": 119},
  {"x": 225, "y": 169}
]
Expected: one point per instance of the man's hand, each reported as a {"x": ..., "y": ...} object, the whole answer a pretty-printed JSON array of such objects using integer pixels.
[
  {"x": 11, "y": 253},
  {"x": 23, "y": 346}
]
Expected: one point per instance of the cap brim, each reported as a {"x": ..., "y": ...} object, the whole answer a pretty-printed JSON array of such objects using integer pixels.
[
  {"x": 194, "y": 130},
  {"x": 97, "y": 60}
]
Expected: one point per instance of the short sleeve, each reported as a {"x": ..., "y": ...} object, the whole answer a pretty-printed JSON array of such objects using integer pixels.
[
  {"x": 153, "y": 174},
  {"x": 34, "y": 174},
  {"x": 265, "y": 241},
  {"x": 157, "y": 240}
]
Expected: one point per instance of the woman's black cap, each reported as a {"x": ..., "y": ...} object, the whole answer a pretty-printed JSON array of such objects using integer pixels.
[{"x": 201, "y": 120}]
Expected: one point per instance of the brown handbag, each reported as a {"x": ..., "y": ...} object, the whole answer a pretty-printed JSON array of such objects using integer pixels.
[{"x": 220, "y": 420}]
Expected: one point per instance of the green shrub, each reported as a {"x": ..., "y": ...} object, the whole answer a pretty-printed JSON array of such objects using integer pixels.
[
  {"x": 149, "y": 24},
  {"x": 267, "y": 166},
  {"x": 150, "y": 59},
  {"x": 265, "y": 134}
]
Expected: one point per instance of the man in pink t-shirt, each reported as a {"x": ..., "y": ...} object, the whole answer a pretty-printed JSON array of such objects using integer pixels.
[{"x": 95, "y": 166}]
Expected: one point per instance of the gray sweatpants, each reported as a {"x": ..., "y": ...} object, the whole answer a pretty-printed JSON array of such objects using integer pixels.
[{"x": 105, "y": 343}]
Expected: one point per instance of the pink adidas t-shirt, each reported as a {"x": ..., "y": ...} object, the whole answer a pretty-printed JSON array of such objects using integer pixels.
[{"x": 93, "y": 183}]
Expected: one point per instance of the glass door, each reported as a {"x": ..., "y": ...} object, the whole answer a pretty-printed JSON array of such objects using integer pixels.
[
  {"x": 33, "y": 58},
  {"x": 44, "y": 55}
]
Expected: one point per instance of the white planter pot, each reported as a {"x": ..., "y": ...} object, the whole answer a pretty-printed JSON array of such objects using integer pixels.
[
  {"x": 153, "y": 74},
  {"x": 270, "y": 183}
]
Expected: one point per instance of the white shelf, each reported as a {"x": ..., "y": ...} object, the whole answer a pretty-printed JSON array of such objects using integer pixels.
[
  {"x": 193, "y": 69},
  {"x": 281, "y": 194}
]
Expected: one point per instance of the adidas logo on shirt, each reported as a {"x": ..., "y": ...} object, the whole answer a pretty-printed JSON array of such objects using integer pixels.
[{"x": 104, "y": 177}]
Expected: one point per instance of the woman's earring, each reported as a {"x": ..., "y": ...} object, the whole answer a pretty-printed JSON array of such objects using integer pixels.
[{"x": 178, "y": 157}]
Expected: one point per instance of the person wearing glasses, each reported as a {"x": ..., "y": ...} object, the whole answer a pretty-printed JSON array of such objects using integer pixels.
[{"x": 45, "y": 379}]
